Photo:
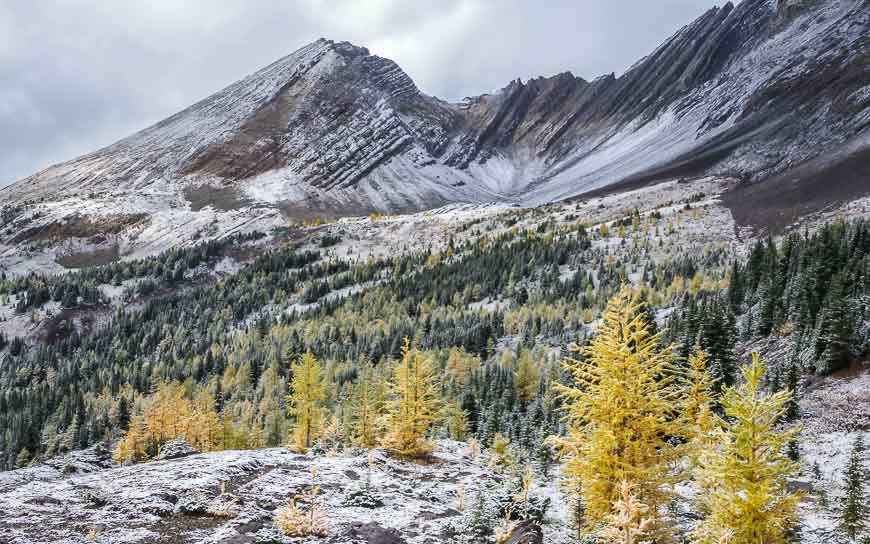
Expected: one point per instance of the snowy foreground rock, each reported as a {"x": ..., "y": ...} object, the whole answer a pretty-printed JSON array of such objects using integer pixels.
[{"x": 231, "y": 496}]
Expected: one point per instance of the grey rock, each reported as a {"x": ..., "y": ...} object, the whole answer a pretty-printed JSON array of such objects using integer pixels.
[
  {"x": 373, "y": 533},
  {"x": 525, "y": 532},
  {"x": 175, "y": 449},
  {"x": 181, "y": 500}
]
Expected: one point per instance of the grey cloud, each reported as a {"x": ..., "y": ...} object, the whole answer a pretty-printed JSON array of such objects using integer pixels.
[{"x": 76, "y": 75}]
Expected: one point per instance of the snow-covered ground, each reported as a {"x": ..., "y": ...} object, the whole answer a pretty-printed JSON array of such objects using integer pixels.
[
  {"x": 231, "y": 497},
  {"x": 834, "y": 413}
]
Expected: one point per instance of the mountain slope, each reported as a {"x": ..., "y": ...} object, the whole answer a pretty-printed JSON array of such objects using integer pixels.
[
  {"x": 752, "y": 91},
  {"x": 321, "y": 119}
]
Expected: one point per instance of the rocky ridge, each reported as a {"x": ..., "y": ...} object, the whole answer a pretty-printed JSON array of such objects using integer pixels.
[{"x": 774, "y": 93}]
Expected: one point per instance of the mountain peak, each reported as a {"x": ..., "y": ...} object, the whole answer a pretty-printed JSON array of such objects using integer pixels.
[
  {"x": 350, "y": 49},
  {"x": 335, "y": 127}
]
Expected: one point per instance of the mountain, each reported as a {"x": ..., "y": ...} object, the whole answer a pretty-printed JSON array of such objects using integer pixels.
[{"x": 761, "y": 90}]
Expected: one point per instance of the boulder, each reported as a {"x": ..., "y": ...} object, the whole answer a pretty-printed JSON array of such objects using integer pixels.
[
  {"x": 373, "y": 533},
  {"x": 525, "y": 532},
  {"x": 175, "y": 449}
]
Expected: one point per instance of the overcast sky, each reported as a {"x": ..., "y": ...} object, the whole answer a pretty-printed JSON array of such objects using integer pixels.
[{"x": 76, "y": 75}]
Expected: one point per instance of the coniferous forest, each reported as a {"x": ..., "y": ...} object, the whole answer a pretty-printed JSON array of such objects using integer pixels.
[{"x": 622, "y": 370}]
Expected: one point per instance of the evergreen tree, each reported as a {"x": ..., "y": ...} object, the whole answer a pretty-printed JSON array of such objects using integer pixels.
[
  {"x": 735, "y": 287},
  {"x": 717, "y": 337},
  {"x": 123, "y": 418},
  {"x": 854, "y": 510},
  {"x": 835, "y": 330},
  {"x": 792, "y": 408}
]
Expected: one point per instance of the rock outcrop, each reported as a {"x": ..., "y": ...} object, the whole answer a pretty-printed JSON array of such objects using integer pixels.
[
  {"x": 233, "y": 496},
  {"x": 175, "y": 449},
  {"x": 525, "y": 532}
]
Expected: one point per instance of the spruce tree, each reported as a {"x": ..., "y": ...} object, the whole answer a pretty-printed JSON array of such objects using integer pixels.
[
  {"x": 123, "y": 418},
  {"x": 835, "y": 330},
  {"x": 717, "y": 337},
  {"x": 792, "y": 408},
  {"x": 854, "y": 509}
]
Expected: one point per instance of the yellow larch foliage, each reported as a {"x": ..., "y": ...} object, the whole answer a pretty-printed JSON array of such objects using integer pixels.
[
  {"x": 502, "y": 454},
  {"x": 414, "y": 404},
  {"x": 527, "y": 377},
  {"x": 629, "y": 523},
  {"x": 203, "y": 433},
  {"x": 456, "y": 419},
  {"x": 698, "y": 402},
  {"x": 169, "y": 414},
  {"x": 366, "y": 408},
  {"x": 308, "y": 391},
  {"x": 133, "y": 447},
  {"x": 622, "y": 414},
  {"x": 294, "y": 521},
  {"x": 461, "y": 364},
  {"x": 744, "y": 472}
]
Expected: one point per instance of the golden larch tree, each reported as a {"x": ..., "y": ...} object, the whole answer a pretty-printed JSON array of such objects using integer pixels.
[
  {"x": 456, "y": 420},
  {"x": 134, "y": 446},
  {"x": 628, "y": 523},
  {"x": 414, "y": 404},
  {"x": 204, "y": 429},
  {"x": 698, "y": 403},
  {"x": 527, "y": 377},
  {"x": 622, "y": 414},
  {"x": 169, "y": 414},
  {"x": 308, "y": 391},
  {"x": 744, "y": 472},
  {"x": 365, "y": 410}
]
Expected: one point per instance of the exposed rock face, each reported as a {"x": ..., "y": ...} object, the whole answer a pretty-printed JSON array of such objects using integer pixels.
[{"x": 754, "y": 90}]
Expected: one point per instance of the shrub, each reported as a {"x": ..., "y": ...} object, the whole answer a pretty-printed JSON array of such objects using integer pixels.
[{"x": 294, "y": 521}]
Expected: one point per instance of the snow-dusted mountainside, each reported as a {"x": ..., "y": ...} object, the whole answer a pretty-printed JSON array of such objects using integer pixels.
[{"x": 764, "y": 89}]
